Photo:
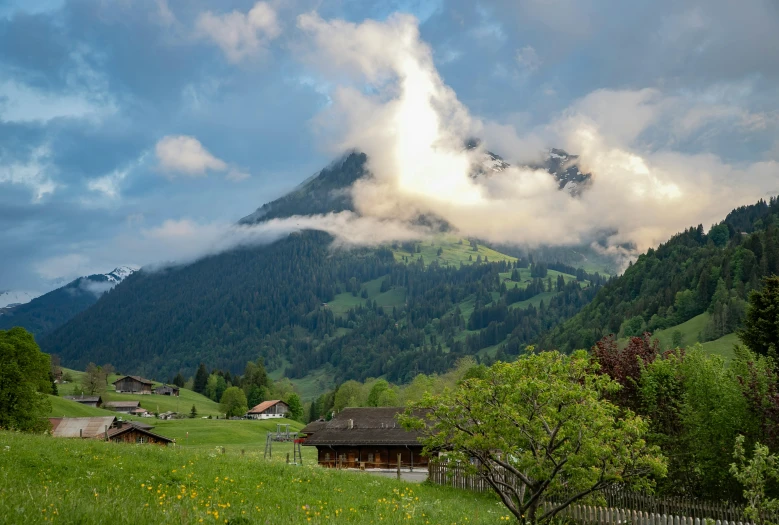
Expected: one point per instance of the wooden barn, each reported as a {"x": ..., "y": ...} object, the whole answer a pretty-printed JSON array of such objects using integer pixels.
[
  {"x": 167, "y": 390},
  {"x": 133, "y": 385},
  {"x": 365, "y": 438},
  {"x": 269, "y": 409},
  {"x": 128, "y": 432},
  {"x": 126, "y": 407},
  {"x": 90, "y": 401}
]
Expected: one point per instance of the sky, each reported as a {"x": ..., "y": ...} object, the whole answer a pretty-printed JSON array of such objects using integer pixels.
[{"x": 137, "y": 132}]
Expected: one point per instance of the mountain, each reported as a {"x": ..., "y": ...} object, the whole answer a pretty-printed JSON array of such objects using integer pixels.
[
  {"x": 693, "y": 274},
  {"x": 11, "y": 298},
  {"x": 310, "y": 310},
  {"x": 49, "y": 311}
]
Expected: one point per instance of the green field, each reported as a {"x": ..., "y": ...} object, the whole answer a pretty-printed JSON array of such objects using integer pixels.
[
  {"x": 66, "y": 408},
  {"x": 691, "y": 330},
  {"x": 90, "y": 482},
  {"x": 454, "y": 251}
]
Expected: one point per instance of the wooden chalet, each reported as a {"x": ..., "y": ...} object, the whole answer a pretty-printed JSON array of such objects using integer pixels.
[
  {"x": 130, "y": 432},
  {"x": 365, "y": 438},
  {"x": 126, "y": 407},
  {"x": 90, "y": 401},
  {"x": 133, "y": 385},
  {"x": 269, "y": 409},
  {"x": 167, "y": 390}
]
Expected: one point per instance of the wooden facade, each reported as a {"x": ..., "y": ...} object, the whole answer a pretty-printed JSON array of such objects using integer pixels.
[
  {"x": 371, "y": 456},
  {"x": 365, "y": 438},
  {"x": 274, "y": 408},
  {"x": 133, "y": 385},
  {"x": 167, "y": 390},
  {"x": 126, "y": 432}
]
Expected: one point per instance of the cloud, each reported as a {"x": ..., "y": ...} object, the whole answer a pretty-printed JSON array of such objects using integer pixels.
[
  {"x": 186, "y": 155},
  {"x": 32, "y": 173},
  {"x": 413, "y": 127},
  {"x": 241, "y": 36},
  {"x": 528, "y": 60},
  {"x": 69, "y": 266}
]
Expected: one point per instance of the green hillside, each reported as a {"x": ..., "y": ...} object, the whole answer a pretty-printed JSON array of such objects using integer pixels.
[
  {"x": 697, "y": 283},
  {"x": 65, "y": 408}
]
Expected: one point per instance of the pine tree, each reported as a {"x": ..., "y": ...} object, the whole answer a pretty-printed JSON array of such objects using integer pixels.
[
  {"x": 201, "y": 379},
  {"x": 193, "y": 412}
]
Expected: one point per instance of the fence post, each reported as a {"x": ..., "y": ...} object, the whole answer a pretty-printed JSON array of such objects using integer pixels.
[{"x": 398, "y": 465}]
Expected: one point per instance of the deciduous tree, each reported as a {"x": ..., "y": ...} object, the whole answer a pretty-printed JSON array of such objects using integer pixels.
[
  {"x": 24, "y": 382},
  {"x": 545, "y": 421},
  {"x": 233, "y": 402}
]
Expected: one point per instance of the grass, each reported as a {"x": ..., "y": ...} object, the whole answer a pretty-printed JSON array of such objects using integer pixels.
[
  {"x": 66, "y": 408},
  {"x": 45, "y": 480},
  {"x": 691, "y": 330},
  {"x": 454, "y": 251},
  {"x": 153, "y": 403},
  {"x": 535, "y": 300}
]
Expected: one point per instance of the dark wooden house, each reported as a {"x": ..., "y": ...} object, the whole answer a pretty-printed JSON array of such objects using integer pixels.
[
  {"x": 365, "y": 438},
  {"x": 269, "y": 409},
  {"x": 133, "y": 385},
  {"x": 167, "y": 390},
  {"x": 126, "y": 407},
  {"x": 128, "y": 432},
  {"x": 90, "y": 401}
]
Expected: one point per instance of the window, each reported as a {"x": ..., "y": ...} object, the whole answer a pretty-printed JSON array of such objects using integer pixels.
[
  {"x": 327, "y": 456},
  {"x": 370, "y": 458},
  {"x": 140, "y": 439}
]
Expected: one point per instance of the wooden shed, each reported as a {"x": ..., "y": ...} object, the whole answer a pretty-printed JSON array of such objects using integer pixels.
[
  {"x": 128, "y": 432},
  {"x": 365, "y": 438},
  {"x": 122, "y": 406},
  {"x": 167, "y": 390},
  {"x": 133, "y": 385},
  {"x": 90, "y": 401}
]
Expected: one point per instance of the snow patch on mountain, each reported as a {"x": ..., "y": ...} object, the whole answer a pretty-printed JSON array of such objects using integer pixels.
[{"x": 16, "y": 297}]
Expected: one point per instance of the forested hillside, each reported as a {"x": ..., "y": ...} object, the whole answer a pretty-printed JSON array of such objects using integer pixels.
[
  {"x": 691, "y": 274},
  {"x": 302, "y": 306}
]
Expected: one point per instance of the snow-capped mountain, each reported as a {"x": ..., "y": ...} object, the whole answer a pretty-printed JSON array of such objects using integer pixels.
[
  {"x": 16, "y": 297},
  {"x": 565, "y": 169},
  {"x": 41, "y": 314}
]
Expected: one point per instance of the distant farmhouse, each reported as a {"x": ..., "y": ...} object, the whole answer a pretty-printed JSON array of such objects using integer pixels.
[
  {"x": 133, "y": 385},
  {"x": 126, "y": 407},
  {"x": 90, "y": 401},
  {"x": 268, "y": 409},
  {"x": 107, "y": 428},
  {"x": 365, "y": 438},
  {"x": 167, "y": 390}
]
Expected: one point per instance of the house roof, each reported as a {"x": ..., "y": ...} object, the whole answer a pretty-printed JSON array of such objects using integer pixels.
[
  {"x": 137, "y": 378},
  {"x": 84, "y": 399},
  {"x": 89, "y": 427},
  {"x": 122, "y": 404},
  {"x": 265, "y": 405},
  {"x": 312, "y": 427},
  {"x": 127, "y": 428},
  {"x": 369, "y": 426},
  {"x": 172, "y": 387},
  {"x": 140, "y": 410}
]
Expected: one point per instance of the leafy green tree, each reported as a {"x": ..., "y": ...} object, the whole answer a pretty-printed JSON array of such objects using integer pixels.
[
  {"x": 193, "y": 412},
  {"x": 94, "y": 380},
  {"x": 377, "y": 389},
  {"x": 761, "y": 324},
  {"x": 201, "y": 379},
  {"x": 295, "y": 407},
  {"x": 233, "y": 402},
  {"x": 545, "y": 421},
  {"x": 24, "y": 382},
  {"x": 215, "y": 387},
  {"x": 349, "y": 394},
  {"x": 754, "y": 474}
]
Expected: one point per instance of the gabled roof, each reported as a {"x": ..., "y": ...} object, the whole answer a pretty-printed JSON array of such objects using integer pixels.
[
  {"x": 172, "y": 387},
  {"x": 84, "y": 399},
  {"x": 312, "y": 427},
  {"x": 127, "y": 428},
  {"x": 137, "y": 378},
  {"x": 122, "y": 404},
  {"x": 365, "y": 426},
  {"x": 87, "y": 427},
  {"x": 265, "y": 405}
]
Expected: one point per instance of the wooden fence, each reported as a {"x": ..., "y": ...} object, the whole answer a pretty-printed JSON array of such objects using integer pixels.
[
  {"x": 645, "y": 506},
  {"x": 589, "y": 515}
]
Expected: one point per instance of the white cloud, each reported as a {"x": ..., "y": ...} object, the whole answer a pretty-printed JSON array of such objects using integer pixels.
[
  {"x": 34, "y": 173},
  {"x": 528, "y": 60},
  {"x": 236, "y": 175},
  {"x": 186, "y": 155},
  {"x": 241, "y": 35},
  {"x": 68, "y": 266},
  {"x": 108, "y": 185}
]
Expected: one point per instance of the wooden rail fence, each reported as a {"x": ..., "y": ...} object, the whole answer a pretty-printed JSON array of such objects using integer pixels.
[{"x": 650, "y": 510}]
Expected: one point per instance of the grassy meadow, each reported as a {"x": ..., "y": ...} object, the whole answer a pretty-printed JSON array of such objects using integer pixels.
[
  {"x": 691, "y": 330},
  {"x": 50, "y": 480}
]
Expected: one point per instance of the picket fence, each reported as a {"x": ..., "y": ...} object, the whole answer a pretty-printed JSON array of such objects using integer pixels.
[{"x": 640, "y": 509}]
